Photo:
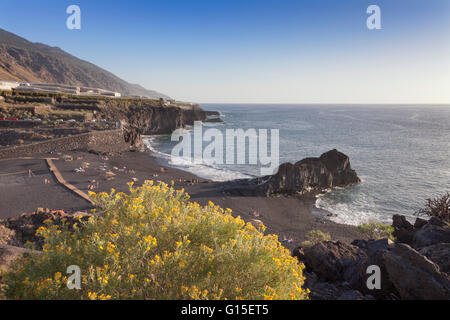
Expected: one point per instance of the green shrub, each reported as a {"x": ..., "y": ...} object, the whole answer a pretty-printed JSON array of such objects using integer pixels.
[
  {"x": 375, "y": 230},
  {"x": 155, "y": 244},
  {"x": 315, "y": 236}
]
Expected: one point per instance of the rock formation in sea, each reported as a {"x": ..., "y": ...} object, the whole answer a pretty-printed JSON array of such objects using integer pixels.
[{"x": 332, "y": 169}]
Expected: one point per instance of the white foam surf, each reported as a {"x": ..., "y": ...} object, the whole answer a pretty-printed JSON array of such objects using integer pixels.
[
  {"x": 204, "y": 171},
  {"x": 348, "y": 213}
]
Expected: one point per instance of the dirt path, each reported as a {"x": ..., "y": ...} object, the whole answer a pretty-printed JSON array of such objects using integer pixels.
[{"x": 64, "y": 183}]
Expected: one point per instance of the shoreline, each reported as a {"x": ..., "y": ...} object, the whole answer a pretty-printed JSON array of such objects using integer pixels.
[
  {"x": 162, "y": 159},
  {"x": 291, "y": 218}
]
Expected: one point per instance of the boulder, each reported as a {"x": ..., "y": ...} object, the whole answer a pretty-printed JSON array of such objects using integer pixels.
[
  {"x": 403, "y": 230},
  {"x": 336, "y": 262},
  {"x": 439, "y": 254},
  {"x": 434, "y": 232},
  {"x": 321, "y": 290},
  {"x": 415, "y": 276},
  {"x": 382, "y": 244},
  {"x": 387, "y": 290},
  {"x": 374, "y": 245},
  {"x": 376, "y": 251},
  {"x": 339, "y": 271},
  {"x": 423, "y": 233},
  {"x": 420, "y": 223},
  {"x": 360, "y": 243}
]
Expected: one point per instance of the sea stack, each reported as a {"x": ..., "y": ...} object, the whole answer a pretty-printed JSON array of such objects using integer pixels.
[{"x": 332, "y": 169}]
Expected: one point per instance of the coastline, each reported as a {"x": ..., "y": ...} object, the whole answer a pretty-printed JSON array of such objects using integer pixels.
[{"x": 291, "y": 218}]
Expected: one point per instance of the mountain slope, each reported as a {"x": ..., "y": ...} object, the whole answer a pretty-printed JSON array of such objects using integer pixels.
[{"x": 22, "y": 60}]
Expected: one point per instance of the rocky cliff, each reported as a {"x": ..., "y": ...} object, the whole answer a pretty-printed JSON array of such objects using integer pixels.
[
  {"x": 155, "y": 120},
  {"x": 148, "y": 117}
]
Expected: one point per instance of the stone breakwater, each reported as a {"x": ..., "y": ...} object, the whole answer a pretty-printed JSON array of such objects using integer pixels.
[{"x": 108, "y": 141}]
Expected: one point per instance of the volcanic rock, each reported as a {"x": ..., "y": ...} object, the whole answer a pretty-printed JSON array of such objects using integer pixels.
[
  {"x": 434, "y": 232},
  {"x": 439, "y": 254},
  {"x": 336, "y": 261},
  {"x": 332, "y": 169},
  {"x": 415, "y": 276}
]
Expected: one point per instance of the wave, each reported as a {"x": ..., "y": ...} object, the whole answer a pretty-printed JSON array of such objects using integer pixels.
[
  {"x": 201, "y": 170},
  {"x": 354, "y": 206},
  {"x": 348, "y": 213}
]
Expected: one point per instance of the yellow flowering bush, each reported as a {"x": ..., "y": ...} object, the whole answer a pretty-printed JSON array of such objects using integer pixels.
[{"x": 155, "y": 244}]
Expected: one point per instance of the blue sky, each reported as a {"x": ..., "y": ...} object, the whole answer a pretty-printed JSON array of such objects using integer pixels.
[{"x": 260, "y": 51}]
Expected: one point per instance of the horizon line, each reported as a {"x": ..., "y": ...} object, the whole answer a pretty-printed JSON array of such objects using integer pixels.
[{"x": 333, "y": 103}]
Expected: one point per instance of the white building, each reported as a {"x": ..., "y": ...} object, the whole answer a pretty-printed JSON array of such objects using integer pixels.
[
  {"x": 111, "y": 94},
  {"x": 8, "y": 85},
  {"x": 57, "y": 88}
]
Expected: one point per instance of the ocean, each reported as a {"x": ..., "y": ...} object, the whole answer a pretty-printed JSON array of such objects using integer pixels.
[{"x": 401, "y": 152}]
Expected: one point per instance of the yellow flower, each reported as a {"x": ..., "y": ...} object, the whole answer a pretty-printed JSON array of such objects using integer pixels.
[
  {"x": 182, "y": 263},
  {"x": 151, "y": 240},
  {"x": 92, "y": 296}
]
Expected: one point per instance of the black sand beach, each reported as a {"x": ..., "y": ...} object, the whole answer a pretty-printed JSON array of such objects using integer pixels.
[{"x": 291, "y": 218}]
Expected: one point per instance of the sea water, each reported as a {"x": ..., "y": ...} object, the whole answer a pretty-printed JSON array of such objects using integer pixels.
[{"x": 401, "y": 152}]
